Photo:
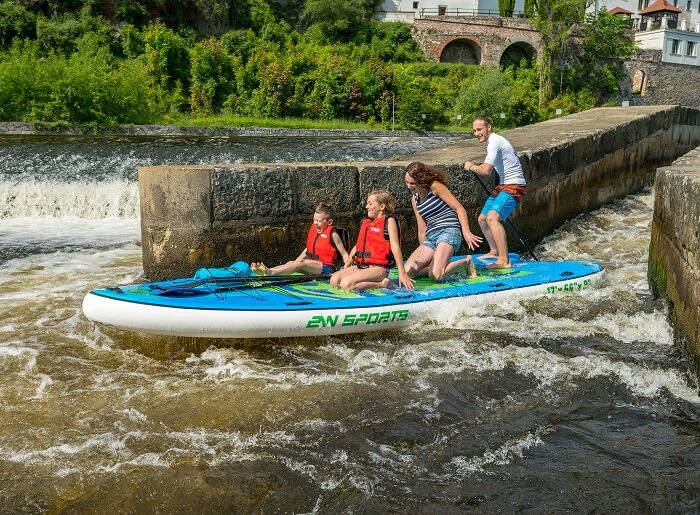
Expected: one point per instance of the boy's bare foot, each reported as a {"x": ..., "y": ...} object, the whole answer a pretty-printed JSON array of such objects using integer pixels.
[
  {"x": 489, "y": 255},
  {"x": 258, "y": 268},
  {"x": 499, "y": 264}
]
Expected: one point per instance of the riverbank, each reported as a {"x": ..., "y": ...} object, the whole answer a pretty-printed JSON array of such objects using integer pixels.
[{"x": 27, "y": 129}]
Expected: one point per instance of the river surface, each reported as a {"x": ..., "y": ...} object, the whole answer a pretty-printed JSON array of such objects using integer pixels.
[{"x": 578, "y": 403}]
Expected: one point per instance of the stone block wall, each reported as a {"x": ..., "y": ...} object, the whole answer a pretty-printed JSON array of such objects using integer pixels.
[
  {"x": 674, "y": 252},
  {"x": 652, "y": 82}
]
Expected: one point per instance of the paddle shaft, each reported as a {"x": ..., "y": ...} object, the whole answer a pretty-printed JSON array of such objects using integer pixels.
[
  {"x": 244, "y": 280},
  {"x": 488, "y": 193}
]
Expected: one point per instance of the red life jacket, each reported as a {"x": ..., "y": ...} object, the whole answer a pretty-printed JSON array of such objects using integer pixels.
[
  {"x": 320, "y": 246},
  {"x": 373, "y": 246}
]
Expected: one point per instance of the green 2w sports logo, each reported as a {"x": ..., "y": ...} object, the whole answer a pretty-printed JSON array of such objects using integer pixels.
[{"x": 381, "y": 317}]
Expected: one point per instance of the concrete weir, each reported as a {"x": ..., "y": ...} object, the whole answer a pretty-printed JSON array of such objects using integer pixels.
[
  {"x": 193, "y": 216},
  {"x": 674, "y": 253}
]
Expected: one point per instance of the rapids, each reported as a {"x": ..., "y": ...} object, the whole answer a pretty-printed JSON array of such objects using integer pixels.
[{"x": 577, "y": 403}]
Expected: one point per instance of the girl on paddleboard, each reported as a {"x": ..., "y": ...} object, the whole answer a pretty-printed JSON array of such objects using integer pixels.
[{"x": 378, "y": 248}]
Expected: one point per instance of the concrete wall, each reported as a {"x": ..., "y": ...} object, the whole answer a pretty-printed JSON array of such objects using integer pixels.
[
  {"x": 674, "y": 253},
  {"x": 213, "y": 215}
]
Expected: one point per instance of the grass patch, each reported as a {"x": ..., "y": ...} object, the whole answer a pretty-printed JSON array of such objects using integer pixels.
[
  {"x": 228, "y": 121},
  {"x": 224, "y": 121}
]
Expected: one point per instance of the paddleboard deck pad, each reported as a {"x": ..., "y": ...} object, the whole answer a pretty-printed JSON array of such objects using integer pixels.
[{"x": 230, "y": 303}]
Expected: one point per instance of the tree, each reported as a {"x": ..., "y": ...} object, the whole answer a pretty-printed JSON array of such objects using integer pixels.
[
  {"x": 339, "y": 20},
  {"x": 607, "y": 41},
  {"x": 15, "y": 22},
  {"x": 557, "y": 21},
  {"x": 506, "y": 7}
]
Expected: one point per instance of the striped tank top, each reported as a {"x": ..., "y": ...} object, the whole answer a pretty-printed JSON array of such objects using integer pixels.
[{"x": 436, "y": 213}]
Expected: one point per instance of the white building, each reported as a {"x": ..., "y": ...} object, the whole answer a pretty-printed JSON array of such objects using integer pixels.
[
  {"x": 689, "y": 10},
  {"x": 677, "y": 46},
  {"x": 409, "y": 10},
  {"x": 670, "y": 27}
]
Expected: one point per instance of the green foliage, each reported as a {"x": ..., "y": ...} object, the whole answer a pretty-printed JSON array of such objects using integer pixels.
[
  {"x": 58, "y": 34},
  {"x": 338, "y": 21},
  {"x": 133, "y": 12},
  {"x": 387, "y": 41},
  {"x": 506, "y": 7},
  {"x": 343, "y": 66},
  {"x": 212, "y": 75},
  {"x": 569, "y": 103},
  {"x": 62, "y": 33},
  {"x": 15, "y": 23},
  {"x": 492, "y": 92},
  {"x": 556, "y": 20},
  {"x": 131, "y": 42},
  {"x": 240, "y": 42},
  {"x": 530, "y": 8},
  {"x": 417, "y": 105},
  {"x": 85, "y": 88},
  {"x": 607, "y": 40},
  {"x": 166, "y": 56}
]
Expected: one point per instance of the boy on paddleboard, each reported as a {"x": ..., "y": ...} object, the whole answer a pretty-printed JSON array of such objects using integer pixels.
[{"x": 324, "y": 249}]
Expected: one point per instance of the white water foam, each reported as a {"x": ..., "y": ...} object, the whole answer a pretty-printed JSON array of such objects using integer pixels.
[
  {"x": 505, "y": 454},
  {"x": 53, "y": 199}
]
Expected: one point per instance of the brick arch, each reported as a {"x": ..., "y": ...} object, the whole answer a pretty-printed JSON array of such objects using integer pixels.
[
  {"x": 492, "y": 35},
  {"x": 517, "y": 49},
  {"x": 460, "y": 50}
]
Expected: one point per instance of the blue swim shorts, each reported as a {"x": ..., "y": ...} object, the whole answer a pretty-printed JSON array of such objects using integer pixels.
[
  {"x": 503, "y": 204},
  {"x": 451, "y": 235},
  {"x": 327, "y": 270}
]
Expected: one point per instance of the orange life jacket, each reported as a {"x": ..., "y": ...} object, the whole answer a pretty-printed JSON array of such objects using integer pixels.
[
  {"x": 373, "y": 246},
  {"x": 320, "y": 246}
]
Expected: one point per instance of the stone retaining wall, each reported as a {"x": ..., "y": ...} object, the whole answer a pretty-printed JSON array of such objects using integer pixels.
[
  {"x": 674, "y": 253},
  {"x": 650, "y": 81},
  {"x": 213, "y": 215}
]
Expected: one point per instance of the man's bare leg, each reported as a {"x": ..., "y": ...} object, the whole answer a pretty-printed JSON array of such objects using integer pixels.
[
  {"x": 498, "y": 233},
  {"x": 493, "y": 251}
]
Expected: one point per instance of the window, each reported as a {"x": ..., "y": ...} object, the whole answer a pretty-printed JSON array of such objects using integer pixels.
[
  {"x": 691, "y": 48},
  {"x": 415, "y": 5},
  {"x": 442, "y": 10},
  {"x": 675, "y": 46},
  {"x": 675, "y": 3},
  {"x": 689, "y": 4}
]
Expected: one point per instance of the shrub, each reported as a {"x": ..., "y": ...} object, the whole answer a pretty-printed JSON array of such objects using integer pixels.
[
  {"x": 15, "y": 23},
  {"x": 213, "y": 76}
]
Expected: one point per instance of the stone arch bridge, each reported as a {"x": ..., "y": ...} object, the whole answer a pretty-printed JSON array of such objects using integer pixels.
[{"x": 486, "y": 40}]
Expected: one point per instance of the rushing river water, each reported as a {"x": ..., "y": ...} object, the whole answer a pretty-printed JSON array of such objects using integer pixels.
[{"x": 570, "y": 404}]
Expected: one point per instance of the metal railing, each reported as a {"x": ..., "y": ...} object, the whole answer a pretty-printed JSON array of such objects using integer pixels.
[{"x": 438, "y": 11}]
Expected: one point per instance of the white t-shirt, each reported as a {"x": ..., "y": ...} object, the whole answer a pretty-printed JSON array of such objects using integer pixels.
[{"x": 500, "y": 155}]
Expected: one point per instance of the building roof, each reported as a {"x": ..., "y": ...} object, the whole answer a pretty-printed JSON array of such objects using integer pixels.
[
  {"x": 661, "y": 6},
  {"x": 619, "y": 10}
]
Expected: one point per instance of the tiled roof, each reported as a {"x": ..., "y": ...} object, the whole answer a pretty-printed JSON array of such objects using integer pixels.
[
  {"x": 660, "y": 6},
  {"x": 619, "y": 10}
]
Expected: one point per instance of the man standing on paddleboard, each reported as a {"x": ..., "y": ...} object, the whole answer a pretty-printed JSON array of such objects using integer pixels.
[{"x": 511, "y": 187}]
